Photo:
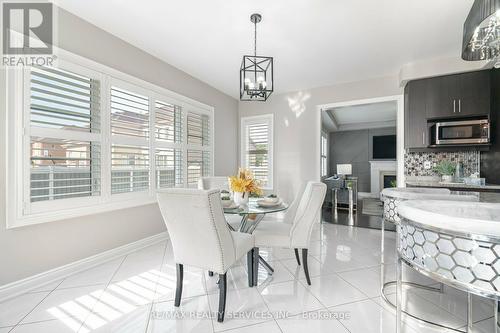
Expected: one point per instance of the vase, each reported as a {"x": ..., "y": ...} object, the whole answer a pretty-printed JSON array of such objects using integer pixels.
[
  {"x": 446, "y": 178},
  {"x": 241, "y": 198}
]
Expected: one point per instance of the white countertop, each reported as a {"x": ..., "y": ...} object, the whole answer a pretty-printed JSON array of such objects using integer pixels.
[
  {"x": 468, "y": 217},
  {"x": 431, "y": 183},
  {"x": 414, "y": 193}
]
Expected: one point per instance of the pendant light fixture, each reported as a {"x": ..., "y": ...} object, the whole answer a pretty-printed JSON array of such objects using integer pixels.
[
  {"x": 256, "y": 72},
  {"x": 481, "y": 36}
]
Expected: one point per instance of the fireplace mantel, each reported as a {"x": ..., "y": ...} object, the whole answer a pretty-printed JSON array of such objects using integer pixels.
[{"x": 378, "y": 168}]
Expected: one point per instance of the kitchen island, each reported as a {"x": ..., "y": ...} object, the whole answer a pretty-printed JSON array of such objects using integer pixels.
[{"x": 457, "y": 244}]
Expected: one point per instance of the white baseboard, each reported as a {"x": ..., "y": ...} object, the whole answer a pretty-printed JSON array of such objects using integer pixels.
[
  {"x": 19, "y": 287},
  {"x": 362, "y": 195}
]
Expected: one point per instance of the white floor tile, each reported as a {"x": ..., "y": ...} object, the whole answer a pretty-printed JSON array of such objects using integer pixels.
[
  {"x": 316, "y": 268},
  {"x": 6, "y": 329},
  {"x": 367, "y": 317},
  {"x": 13, "y": 310},
  {"x": 281, "y": 274},
  {"x": 367, "y": 280},
  {"x": 317, "y": 321},
  {"x": 51, "y": 326},
  {"x": 243, "y": 307},
  {"x": 266, "y": 327},
  {"x": 193, "y": 284},
  {"x": 290, "y": 297},
  {"x": 332, "y": 290},
  {"x": 126, "y": 321},
  {"x": 101, "y": 274},
  {"x": 192, "y": 316},
  {"x": 74, "y": 302}
]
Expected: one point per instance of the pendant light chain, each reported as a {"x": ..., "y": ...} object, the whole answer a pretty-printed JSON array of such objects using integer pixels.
[{"x": 255, "y": 39}]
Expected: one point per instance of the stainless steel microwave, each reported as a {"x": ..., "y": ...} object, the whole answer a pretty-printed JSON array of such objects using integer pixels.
[{"x": 463, "y": 132}]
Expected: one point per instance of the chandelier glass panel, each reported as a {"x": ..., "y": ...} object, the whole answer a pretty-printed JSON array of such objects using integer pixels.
[
  {"x": 481, "y": 36},
  {"x": 256, "y": 72}
]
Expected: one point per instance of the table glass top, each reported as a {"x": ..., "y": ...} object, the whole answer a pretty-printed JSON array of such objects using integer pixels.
[{"x": 254, "y": 208}]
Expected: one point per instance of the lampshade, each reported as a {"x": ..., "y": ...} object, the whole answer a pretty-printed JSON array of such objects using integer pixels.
[
  {"x": 344, "y": 169},
  {"x": 482, "y": 31}
]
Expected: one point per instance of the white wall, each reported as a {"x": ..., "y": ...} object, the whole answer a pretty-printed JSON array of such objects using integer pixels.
[
  {"x": 296, "y": 126},
  {"x": 30, "y": 250}
]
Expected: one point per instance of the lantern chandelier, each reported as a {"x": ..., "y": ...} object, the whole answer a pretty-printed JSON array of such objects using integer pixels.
[
  {"x": 256, "y": 72},
  {"x": 481, "y": 36}
]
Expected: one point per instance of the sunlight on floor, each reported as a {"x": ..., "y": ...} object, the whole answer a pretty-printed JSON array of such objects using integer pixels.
[{"x": 100, "y": 307}]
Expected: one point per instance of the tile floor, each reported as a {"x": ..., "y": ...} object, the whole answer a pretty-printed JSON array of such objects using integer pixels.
[{"x": 135, "y": 294}]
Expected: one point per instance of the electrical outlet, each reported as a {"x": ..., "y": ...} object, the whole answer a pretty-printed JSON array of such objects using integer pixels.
[{"x": 427, "y": 165}]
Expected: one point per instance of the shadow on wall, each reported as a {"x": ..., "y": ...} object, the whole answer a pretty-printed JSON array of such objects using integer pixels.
[{"x": 297, "y": 103}]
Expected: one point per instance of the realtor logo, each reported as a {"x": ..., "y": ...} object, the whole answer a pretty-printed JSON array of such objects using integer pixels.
[{"x": 34, "y": 21}]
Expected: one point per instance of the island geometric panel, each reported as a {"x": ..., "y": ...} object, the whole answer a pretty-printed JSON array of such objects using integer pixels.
[{"x": 466, "y": 260}]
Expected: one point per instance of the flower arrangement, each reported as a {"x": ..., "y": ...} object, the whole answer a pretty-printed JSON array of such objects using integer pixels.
[{"x": 245, "y": 182}]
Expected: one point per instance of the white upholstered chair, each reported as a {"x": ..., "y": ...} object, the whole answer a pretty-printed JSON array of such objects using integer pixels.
[
  {"x": 200, "y": 236},
  {"x": 213, "y": 183},
  {"x": 297, "y": 234},
  {"x": 220, "y": 183}
]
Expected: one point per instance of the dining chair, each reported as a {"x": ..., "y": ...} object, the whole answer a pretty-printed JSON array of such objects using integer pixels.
[
  {"x": 200, "y": 236},
  {"x": 220, "y": 183},
  {"x": 212, "y": 183},
  {"x": 297, "y": 234}
]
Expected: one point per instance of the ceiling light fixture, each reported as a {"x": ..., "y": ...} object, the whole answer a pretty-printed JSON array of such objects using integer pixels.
[
  {"x": 481, "y": 36},
  {"x": 256, "y": 72}
]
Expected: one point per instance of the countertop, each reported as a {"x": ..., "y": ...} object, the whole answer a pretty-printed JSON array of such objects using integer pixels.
[
  {"x": 478, "y": 188},
  {"x": 468, "y": 217}
]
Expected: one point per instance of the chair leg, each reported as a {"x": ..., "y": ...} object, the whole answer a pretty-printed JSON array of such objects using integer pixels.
[
  {"x": 178, "y": 290},
  {"x": 250, "y": 258},
  {"x": 222, "y": 297},
  {"x": 255, "y": 266},
  {"x": 297, "y": 256},
  {"x": 210, "y": 273},
  {"x": 306, "y": 269}
]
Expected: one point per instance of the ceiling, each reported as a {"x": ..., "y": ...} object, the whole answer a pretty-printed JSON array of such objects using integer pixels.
[
  {"x": 314, "y": 42},
  {"x": 363, "y": 116}
]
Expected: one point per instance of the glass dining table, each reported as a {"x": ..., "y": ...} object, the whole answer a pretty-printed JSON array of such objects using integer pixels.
[{"x": 251, "y": 215}]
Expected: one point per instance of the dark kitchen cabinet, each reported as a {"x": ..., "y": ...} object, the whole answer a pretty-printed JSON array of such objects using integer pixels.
[
  {"x": 416, "y": 134},
  {"x": 458, "y": 96}
]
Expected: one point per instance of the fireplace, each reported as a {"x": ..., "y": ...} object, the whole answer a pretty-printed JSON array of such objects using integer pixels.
[
  {"x": 386, "y": 179},
  {"x": 381, "y": 174}
]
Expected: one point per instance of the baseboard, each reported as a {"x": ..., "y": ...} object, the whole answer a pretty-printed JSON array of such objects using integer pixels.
[
  {"x": 362, "y": 195},
  {"x": 19, "y": 287}
]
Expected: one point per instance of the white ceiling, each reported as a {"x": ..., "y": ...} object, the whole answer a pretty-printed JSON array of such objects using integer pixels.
[
  {"x": 314, "y": 42},
  {"x": 363, "y": 116}
]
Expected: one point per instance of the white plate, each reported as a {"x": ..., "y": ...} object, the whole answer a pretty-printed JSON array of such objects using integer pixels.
[
  {"x": 232, "y": 206},
  {"x": 266, "y": 204}
]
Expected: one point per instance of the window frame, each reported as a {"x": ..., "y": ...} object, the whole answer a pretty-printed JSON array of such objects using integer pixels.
[
  {"x": 19, "y": 211},
  {"x": 324, "y": 154},
  {"x": 244, "y": 122}
]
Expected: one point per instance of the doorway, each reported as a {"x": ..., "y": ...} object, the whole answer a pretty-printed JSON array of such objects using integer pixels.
[{"x": 360, "y": 152}]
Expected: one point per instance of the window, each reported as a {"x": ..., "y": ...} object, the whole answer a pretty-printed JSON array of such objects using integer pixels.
[
  {"x": 257, "y": 147},
  {"x": 324, "y": 154},
  {"x": 64, "y": 141},
  {"x": 129, "y": 141},
  {"x": 102, "y": 139}
]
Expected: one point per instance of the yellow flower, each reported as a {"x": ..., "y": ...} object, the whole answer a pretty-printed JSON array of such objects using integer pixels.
[{"x": 245, "y": 181}]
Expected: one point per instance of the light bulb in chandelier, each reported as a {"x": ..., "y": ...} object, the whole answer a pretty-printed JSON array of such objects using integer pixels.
[
  {"x": 261, "y": 83},
  {"x": 247, "y": 83}
]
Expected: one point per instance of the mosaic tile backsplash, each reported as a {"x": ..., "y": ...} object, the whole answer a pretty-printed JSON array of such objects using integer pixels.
[{"x": 414, "y": 162}]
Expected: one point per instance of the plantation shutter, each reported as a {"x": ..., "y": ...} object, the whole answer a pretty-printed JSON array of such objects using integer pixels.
[
  {"x": 257, "y": 148},
  {"x": 130, "y": 161},
  {"x": 64, "y": 162}
]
